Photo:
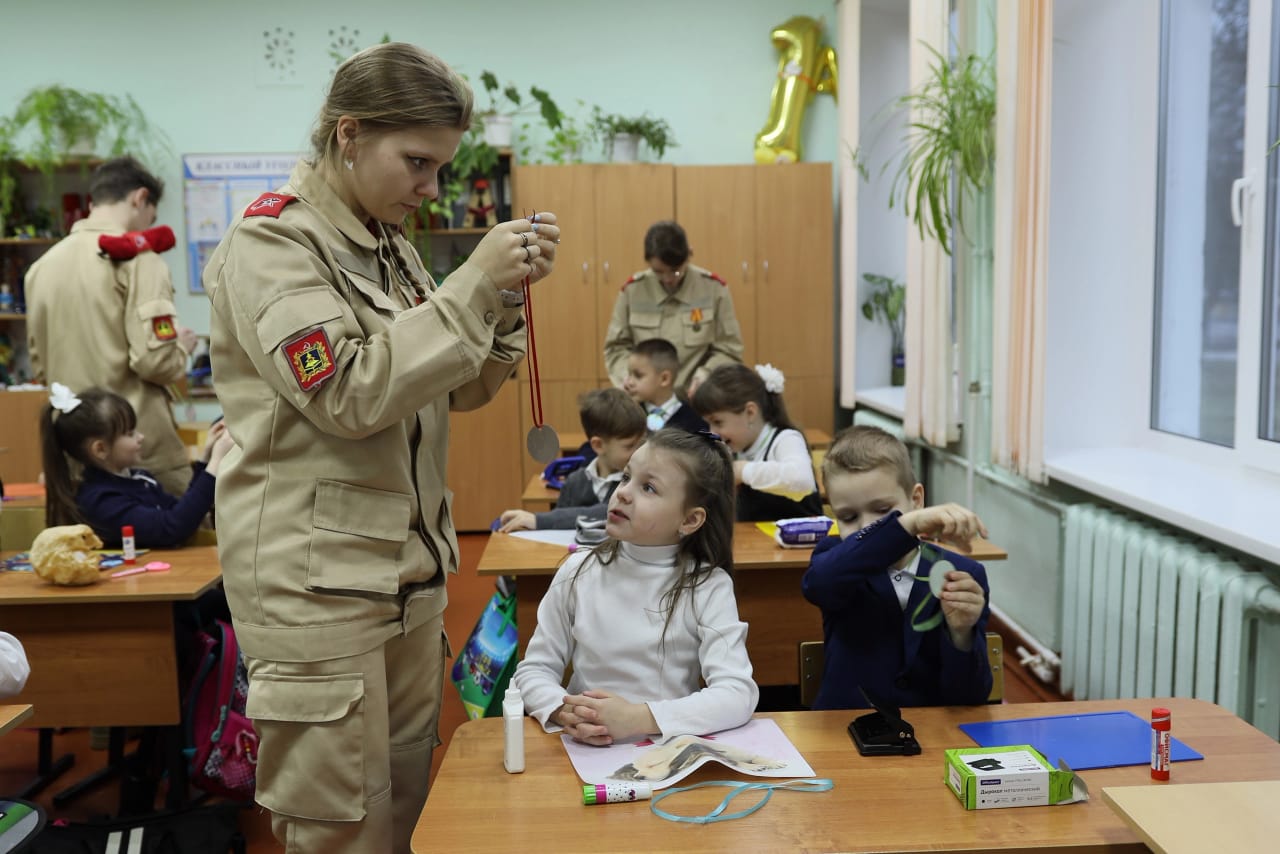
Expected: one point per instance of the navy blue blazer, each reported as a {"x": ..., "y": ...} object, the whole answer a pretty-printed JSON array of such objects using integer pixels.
[
  {"x": 108, "y": 502},
  {"x": 869, "y": 639}
]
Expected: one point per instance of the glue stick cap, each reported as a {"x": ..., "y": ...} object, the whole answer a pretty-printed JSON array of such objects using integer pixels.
[{"x": 126, "y": 531}]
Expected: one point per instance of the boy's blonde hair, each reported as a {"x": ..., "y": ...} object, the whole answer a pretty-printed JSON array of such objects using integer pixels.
[
  {"x": 610, "y": 413},
  {"x": 862, "y": 449}
]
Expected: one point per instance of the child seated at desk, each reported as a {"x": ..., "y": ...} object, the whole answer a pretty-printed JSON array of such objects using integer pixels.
[
  {"x": 772, "y": 466},
  {"x": 651, "y": 382},
  {"x": 880, "y": 624},
  {"x": 99, "y": 430},
  {"x": 614, "y": 426},
  {"x": 648, "y": 620}
]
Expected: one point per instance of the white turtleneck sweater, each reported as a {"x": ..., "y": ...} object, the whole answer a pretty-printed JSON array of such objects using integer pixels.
[{"x": 608, "y": 624}]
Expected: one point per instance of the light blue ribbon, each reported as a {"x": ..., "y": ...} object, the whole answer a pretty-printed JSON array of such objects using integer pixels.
[{"x": 719, "y": 814}]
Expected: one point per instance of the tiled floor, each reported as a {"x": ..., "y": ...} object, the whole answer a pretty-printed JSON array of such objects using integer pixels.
[{"x": 468, "y": 594}]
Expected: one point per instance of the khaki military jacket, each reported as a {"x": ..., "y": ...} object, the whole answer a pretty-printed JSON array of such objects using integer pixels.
[
  {"x": 96, "y": 322},
  {"x": 698, "y": 319},
  {"x": 334, "y": 528}
]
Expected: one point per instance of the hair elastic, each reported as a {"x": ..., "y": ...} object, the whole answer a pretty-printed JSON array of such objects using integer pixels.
[{"x": 738, "y": 788}]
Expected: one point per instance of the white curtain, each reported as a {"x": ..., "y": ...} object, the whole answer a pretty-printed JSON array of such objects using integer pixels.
[
  {"x": 929, "y": 386},
  {"x": 848, "y": 52},
  {"x": 1024, "y": 56}
]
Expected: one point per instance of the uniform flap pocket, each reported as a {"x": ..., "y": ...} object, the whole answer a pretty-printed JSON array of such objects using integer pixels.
[
  {"x": 153, "y": 308},
  {"x": 366, "y": 512},
  {"x": 295, "y": 312},
  {"x": 371, "y": 291},
  {"x": 645, "y": 318},
  {"x": 303, "y": 699}
]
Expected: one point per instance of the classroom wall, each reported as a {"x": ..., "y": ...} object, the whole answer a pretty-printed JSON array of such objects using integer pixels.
[{"x": 196, "y": 68}]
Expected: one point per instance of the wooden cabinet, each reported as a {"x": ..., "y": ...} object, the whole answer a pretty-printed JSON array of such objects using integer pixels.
[
  {"x": 768, "y": 230},
  {"x": 20, "y": 435}
]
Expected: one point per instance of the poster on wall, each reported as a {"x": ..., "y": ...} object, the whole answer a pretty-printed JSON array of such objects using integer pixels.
[{"x": 216, "y": 188}]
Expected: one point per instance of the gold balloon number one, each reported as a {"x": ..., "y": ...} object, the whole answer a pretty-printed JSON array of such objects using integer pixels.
[{"x": 805, "y": 67}]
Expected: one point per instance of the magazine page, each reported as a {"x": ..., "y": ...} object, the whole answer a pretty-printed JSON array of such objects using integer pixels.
[{"x": 758, "y": 748}]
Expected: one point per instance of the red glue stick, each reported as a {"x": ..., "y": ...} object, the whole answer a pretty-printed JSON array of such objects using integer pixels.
[
  {"x": 1160, "y": 725},
  {"x": 126, "y": 542}
]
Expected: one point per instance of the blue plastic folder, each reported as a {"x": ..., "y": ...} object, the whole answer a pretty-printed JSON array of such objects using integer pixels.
[{"x": 1098, "y": 740}]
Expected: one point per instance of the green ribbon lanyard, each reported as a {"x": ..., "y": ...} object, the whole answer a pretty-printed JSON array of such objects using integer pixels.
[
  {"x": 719, "y": 814},
  {"x": 935, "y": 579}
]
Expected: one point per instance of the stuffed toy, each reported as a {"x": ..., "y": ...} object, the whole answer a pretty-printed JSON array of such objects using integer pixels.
[
  {"x": 64, "y": 555},
  {"x": 122, "y": 247},
  {"x": 480, "y": 209}
]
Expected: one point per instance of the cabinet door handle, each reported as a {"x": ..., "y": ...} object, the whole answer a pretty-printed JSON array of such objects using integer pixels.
[
  {"x": 766, "y": 271},
  {"x": 745, "y": 267},
  {"x": 606, "y": 272},
  {"x": 585, "y": 267}
]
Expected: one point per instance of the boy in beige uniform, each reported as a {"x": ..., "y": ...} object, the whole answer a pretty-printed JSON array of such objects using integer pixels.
[
  {"x": 93, "y": 321},
  {"x": 337, "y": 360},
  {"x": 696, "y": 316}
]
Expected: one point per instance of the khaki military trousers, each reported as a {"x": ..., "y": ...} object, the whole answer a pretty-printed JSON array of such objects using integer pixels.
[{"x": 345, "y": 745}]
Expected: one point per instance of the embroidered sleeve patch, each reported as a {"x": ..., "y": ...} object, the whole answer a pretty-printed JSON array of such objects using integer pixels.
[
  {"x": 269, "y": 204},
  {"x": 311, "y": 359},
  {"x": 163, "y": 328}
]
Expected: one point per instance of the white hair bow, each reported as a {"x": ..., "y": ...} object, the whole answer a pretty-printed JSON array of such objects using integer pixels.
[
  {"x": 62, "y": 398},
  {"x": 774, "y": 381}
]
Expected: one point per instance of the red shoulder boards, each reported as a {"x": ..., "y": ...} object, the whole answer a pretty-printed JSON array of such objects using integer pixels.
[
  {"x": 311, "y": 358},
  {"x": 716, "y": 276},
  {"x": 627, "y": 282},
  {"x": 269, "y": 204}
]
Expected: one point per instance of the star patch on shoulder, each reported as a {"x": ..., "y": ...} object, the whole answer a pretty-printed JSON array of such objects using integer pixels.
[
  {"x": 269, "y": 204},
  {"x": 311, "y": 359},
  {"x": 162, "y": 328}
]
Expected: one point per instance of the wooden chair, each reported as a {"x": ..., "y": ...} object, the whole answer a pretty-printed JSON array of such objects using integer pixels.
[{"x": 813, "y": 658}]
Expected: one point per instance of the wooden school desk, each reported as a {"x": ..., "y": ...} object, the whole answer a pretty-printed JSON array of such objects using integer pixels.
[
  {"x": 817, "y": 439},
  {"x": 103, "y": 655},
  {"x": 884, "y": 803},
  {"x": 1189, "y": 819},
  {"x": 766, "y": 578},
  {"x": 11, "y": 716}
]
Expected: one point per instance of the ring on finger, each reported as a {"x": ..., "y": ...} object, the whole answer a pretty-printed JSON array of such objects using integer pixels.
[
  {"x": 524, "y": 238},
  {"x": 527, "y": 254}
]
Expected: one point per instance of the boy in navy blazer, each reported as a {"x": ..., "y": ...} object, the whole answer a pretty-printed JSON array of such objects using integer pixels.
[{"x": 871, "y": 583}]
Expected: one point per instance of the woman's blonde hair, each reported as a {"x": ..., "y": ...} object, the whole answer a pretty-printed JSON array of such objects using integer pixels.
[{"x": 389, "y": 87}]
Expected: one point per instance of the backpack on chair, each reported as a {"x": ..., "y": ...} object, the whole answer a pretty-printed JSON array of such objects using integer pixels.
[{"x": 221, "y": 745}]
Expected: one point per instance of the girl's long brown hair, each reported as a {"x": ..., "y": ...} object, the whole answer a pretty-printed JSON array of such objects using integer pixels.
[{"x": 101, "y": 415}]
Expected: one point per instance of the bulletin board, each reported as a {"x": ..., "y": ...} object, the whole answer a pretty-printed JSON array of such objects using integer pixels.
[{"x": 216, "y": 188}]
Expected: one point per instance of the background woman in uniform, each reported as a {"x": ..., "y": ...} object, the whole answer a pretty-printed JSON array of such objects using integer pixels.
[
  {"x": 675, "y": 300},
  {"x": 337, "y": 360}
]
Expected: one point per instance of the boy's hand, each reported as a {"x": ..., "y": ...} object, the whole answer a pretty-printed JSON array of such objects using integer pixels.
[
  {"x": 599, "y": 717},
  {"x": 517, "y": 520},
  {"x": 211, "y": 439},
  {"x": 962, "y": 602},
  {"x": 946, "y": 523}
]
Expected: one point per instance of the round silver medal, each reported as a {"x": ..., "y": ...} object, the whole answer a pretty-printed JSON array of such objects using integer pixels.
[
  {"x": 543, "y": 443},
  {"x": 938, "y": 576}
]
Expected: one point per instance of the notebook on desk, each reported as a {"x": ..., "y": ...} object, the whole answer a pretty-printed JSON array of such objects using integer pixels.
[{"x": 1098, "y": 740}]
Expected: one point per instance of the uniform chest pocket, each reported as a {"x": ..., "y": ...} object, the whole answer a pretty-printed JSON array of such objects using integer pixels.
[
  {"x": 357, "y": 535},
  {"x": 372, "y": 292},
  {"x": 697, "y": 327},
  {"x": 646, "y": 320}
]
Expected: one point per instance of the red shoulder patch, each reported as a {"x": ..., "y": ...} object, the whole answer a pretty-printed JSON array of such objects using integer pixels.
[
  {"x": 311, "y": 359},
  {"x": 269, "y": 204},
  {"x": 163, "y": 328},
  {"x": 629, "y": 280},
  {"x": 716, "y": 276}
]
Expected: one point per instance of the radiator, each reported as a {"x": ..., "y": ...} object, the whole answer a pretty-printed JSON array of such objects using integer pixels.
[{"x": 1147, "y": 612}]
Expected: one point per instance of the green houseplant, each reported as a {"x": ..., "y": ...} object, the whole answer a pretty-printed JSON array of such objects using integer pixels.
[
  {"x": 506, "y": 101},
  {"x": 59, "y": 123},
  {"x": 8, "y": 182},
  {"x": 622, "y": 134},
  {"x": 951, "y": 136},
  {"x": 566, "y": 141},
  {"x": 888, "y": 302}
]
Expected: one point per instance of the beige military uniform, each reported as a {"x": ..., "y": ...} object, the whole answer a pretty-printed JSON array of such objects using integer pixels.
[
  {"x": 96, "y": 322},
  {"x": 698, "y": 319},
  {"x": 334, "y": 527}
]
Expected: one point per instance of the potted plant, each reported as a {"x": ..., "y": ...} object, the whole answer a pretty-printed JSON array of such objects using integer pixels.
[
  {"x": 950, "y": 135},
  {"x": 8, "y": 182},
  {"x": 498, "y": 122},
  {"x": 622, "y": 135},
  {"x": 565, "y": 144},
  {"x": 887, "y": 302}
]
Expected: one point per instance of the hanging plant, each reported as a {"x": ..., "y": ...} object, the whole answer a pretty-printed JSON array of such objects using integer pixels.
[{"x": 950, "y": 135}]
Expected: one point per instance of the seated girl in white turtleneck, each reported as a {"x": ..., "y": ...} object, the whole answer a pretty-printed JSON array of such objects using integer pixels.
[{"x": 649, "y": 616}]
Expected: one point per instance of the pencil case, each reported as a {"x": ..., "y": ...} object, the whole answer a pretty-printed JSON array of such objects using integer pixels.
[{"x": 801, "y": 532}]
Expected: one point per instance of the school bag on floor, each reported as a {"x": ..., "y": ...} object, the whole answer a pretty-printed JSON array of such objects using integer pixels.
[
  {"x": 210, "y": 829},
  {"x": 484, "y": 667},
  {"x": 221, "y": 745}
]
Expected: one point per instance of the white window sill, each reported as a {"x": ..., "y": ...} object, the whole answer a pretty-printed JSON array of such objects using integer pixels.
[
  {"x": 1236, "y": 507},
  {"x": 891, "y": 400}
]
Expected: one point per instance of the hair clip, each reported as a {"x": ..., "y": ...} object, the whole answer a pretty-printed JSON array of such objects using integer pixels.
[
  {"x": 711, "y": 437},
  {"x": 62, "y": 398}
]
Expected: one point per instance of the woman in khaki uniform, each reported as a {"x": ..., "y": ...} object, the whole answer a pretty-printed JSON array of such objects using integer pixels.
[{"x": 337, "y": 360}]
